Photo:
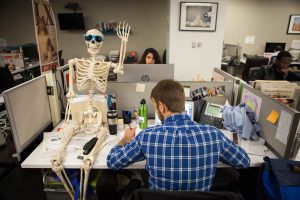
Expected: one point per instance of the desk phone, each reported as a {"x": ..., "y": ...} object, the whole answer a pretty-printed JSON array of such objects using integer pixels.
[{"x": 212, "y": 115}]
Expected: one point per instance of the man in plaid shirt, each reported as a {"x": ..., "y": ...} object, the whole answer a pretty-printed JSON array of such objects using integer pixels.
[{"x": 180, "y": 154}]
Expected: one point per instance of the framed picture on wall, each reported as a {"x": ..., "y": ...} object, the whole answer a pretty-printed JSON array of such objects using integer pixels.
[
  {"x": 198, "y": 16},
  {"x": 294, "y": 24}
]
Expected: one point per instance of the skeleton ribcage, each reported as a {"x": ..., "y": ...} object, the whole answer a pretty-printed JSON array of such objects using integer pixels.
[{"x": 92, "y": 73}]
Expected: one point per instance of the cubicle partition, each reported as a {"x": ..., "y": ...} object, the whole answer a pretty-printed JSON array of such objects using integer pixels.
[
  {"x": 129, "y": 95},
  {"x": 28, "y": 111},
  {"x": 278, "y": 122},
  {"x": 238, "y": 84}
]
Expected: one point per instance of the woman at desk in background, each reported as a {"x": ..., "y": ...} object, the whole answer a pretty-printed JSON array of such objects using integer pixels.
[
  {"x": 150, "y": 56},
  {"x": 278, "y": 71}
]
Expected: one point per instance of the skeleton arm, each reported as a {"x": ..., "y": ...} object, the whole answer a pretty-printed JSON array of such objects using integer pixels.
[
  {"x": 123, "y": 34},
  {"x": 71, "y": 93}
]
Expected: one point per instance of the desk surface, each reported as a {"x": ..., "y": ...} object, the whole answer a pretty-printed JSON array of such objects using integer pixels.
[{"x": 40, "y": 158}]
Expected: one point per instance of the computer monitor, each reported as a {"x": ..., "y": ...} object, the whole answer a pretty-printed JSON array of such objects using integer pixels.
[
  {"x": 189, "y": 109},
  {"x": 146, "y": 72},
  {"x": 28, "y": 111},
  {"x": 30, "y": 52},
  {"x": 274, "y": 46}
]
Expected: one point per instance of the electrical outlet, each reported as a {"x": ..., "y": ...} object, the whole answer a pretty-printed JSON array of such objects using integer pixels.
[
  {"x": 194, "y": 44},
  {"x": 50, "y": 90},
  {"x": 199, "y": 44}
]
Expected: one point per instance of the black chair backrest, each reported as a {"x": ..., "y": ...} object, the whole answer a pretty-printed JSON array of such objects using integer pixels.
[
  {"x": 252, "y": 73},
  {"x": 253, "y": 62},
  {"x": 272, "y": 60},
  {"x": 147, "y": 194},
  {"x": 6, "y": 79}
]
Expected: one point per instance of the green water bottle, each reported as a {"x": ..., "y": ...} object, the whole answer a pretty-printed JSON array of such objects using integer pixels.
[{"x": 143, "y": 115}]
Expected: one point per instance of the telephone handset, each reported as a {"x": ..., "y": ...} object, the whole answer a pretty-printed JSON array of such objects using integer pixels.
[{"x": 212, "y": 115}]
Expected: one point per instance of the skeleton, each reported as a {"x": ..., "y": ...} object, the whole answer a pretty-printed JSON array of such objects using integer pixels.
[{"x": 88, "y": 115}]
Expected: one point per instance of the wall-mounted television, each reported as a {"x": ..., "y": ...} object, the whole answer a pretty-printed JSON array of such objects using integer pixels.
[
  {"x": 71, "y": 21},
  {"x": 274, "y": 46}
]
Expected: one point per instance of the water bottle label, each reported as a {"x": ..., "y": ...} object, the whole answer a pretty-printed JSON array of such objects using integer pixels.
[{"x": 141, "y": 119}]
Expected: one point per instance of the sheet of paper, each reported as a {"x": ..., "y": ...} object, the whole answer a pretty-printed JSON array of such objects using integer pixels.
[
  {"x": 283, "y": 127},
  {"x": 140, "y": 87},
  {"x": 187, "y": 91},
  {"x": 249, "y": 39},
  {"x": 273, "y": 116},
  {"x": 253, "y": 101},
  {"x": 295, "y": 44}
]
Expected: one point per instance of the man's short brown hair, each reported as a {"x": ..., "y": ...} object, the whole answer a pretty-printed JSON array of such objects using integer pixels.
[{"x": 170, "y": 93}]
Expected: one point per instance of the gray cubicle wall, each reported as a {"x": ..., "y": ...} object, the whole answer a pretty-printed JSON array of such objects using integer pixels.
[
  {"x": 238, "y": 84},
  {"x": 268, "y": 130},
  {"x": 28, "y": 111},
  {"x": 128, "y": 97},
  {"x": 227, "y": 76}
]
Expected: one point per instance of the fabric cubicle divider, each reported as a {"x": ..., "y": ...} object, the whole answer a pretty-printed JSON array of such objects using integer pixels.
[
  {"x": 128, "y": 97},
  {"x": 28, "y": 110},
  {"x": 269, "y": 131},
  {"x": 238, "y": 84}
]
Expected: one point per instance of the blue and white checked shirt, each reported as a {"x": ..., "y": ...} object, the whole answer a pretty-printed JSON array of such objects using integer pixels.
[{"x": 180, "y": 154}]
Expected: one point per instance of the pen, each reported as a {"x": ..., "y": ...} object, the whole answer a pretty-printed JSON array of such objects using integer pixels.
[{"x": 129, "y": 127}]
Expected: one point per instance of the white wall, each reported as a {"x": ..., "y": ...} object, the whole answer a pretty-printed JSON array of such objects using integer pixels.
[
  {"x": 267, "y": 20},
  {"x": 148, "y": 20},
  {"x": 189, "y": 62}
]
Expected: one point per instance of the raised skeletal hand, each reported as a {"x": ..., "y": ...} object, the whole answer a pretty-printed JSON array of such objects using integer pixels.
[{"x": 123, "y": 31}]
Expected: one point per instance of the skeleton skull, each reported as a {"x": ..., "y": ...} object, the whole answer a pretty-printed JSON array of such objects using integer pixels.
[{"x": 94, "y": 41}]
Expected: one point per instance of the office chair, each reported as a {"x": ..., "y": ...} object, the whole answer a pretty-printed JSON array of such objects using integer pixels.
[
  {"x": 272, "y": 60},
  {"x": 253, "y": 72},
  {"x": 147, "y": 194},
  {"x": 253, "y": 62}
]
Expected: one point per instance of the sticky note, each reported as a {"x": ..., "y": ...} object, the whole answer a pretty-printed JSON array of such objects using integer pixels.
[
  {"x": 273, "y": 117},
  {"x": 140, "y": 87}
]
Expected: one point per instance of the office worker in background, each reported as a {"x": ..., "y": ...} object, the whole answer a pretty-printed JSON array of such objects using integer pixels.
[
  {"x": 278, "y": 71},
  {"x": 181, "y": 154},
  {"x": 150, "y": 56}
]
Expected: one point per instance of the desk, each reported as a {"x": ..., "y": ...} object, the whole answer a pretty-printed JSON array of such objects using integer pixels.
[
  {"x": 29, "y": 66},
  {"x": 25, "y": 73},
  {"x": 39, "y": 160}
]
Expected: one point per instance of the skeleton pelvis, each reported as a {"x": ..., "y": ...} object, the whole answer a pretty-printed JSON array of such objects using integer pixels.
[{"x": 80, "y": 109}]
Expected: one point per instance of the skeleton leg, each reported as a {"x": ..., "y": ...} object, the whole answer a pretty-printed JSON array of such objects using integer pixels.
[
  {"x": 57, "y": 164},
  {"x": 88, "y": 162}
]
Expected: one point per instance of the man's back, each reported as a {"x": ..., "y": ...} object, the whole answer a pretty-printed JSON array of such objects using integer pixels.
[{"x": 181, "y": 154}]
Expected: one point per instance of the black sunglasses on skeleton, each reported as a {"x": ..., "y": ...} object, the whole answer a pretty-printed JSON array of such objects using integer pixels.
[{"x": 96, "y": 38}]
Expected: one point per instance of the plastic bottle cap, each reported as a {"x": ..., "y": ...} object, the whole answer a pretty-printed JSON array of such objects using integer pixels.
[{"x": 143, "y": 101}]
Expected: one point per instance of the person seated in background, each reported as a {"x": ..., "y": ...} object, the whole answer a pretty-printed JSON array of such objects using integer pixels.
[
  {"x": 180, "y": 154},
  {"x": 150, "y": 56},
  {"x": 278, "y": 71}
]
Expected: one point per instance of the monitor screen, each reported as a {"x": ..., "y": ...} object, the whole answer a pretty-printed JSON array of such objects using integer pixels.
[
  {"x": 274, "y": 46},
  {"x": 30, "y": 52},
  {"x": 71, "y": 21},
  {"x": 189, "y": 109},
  {"x": 146, "y": 72}
]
